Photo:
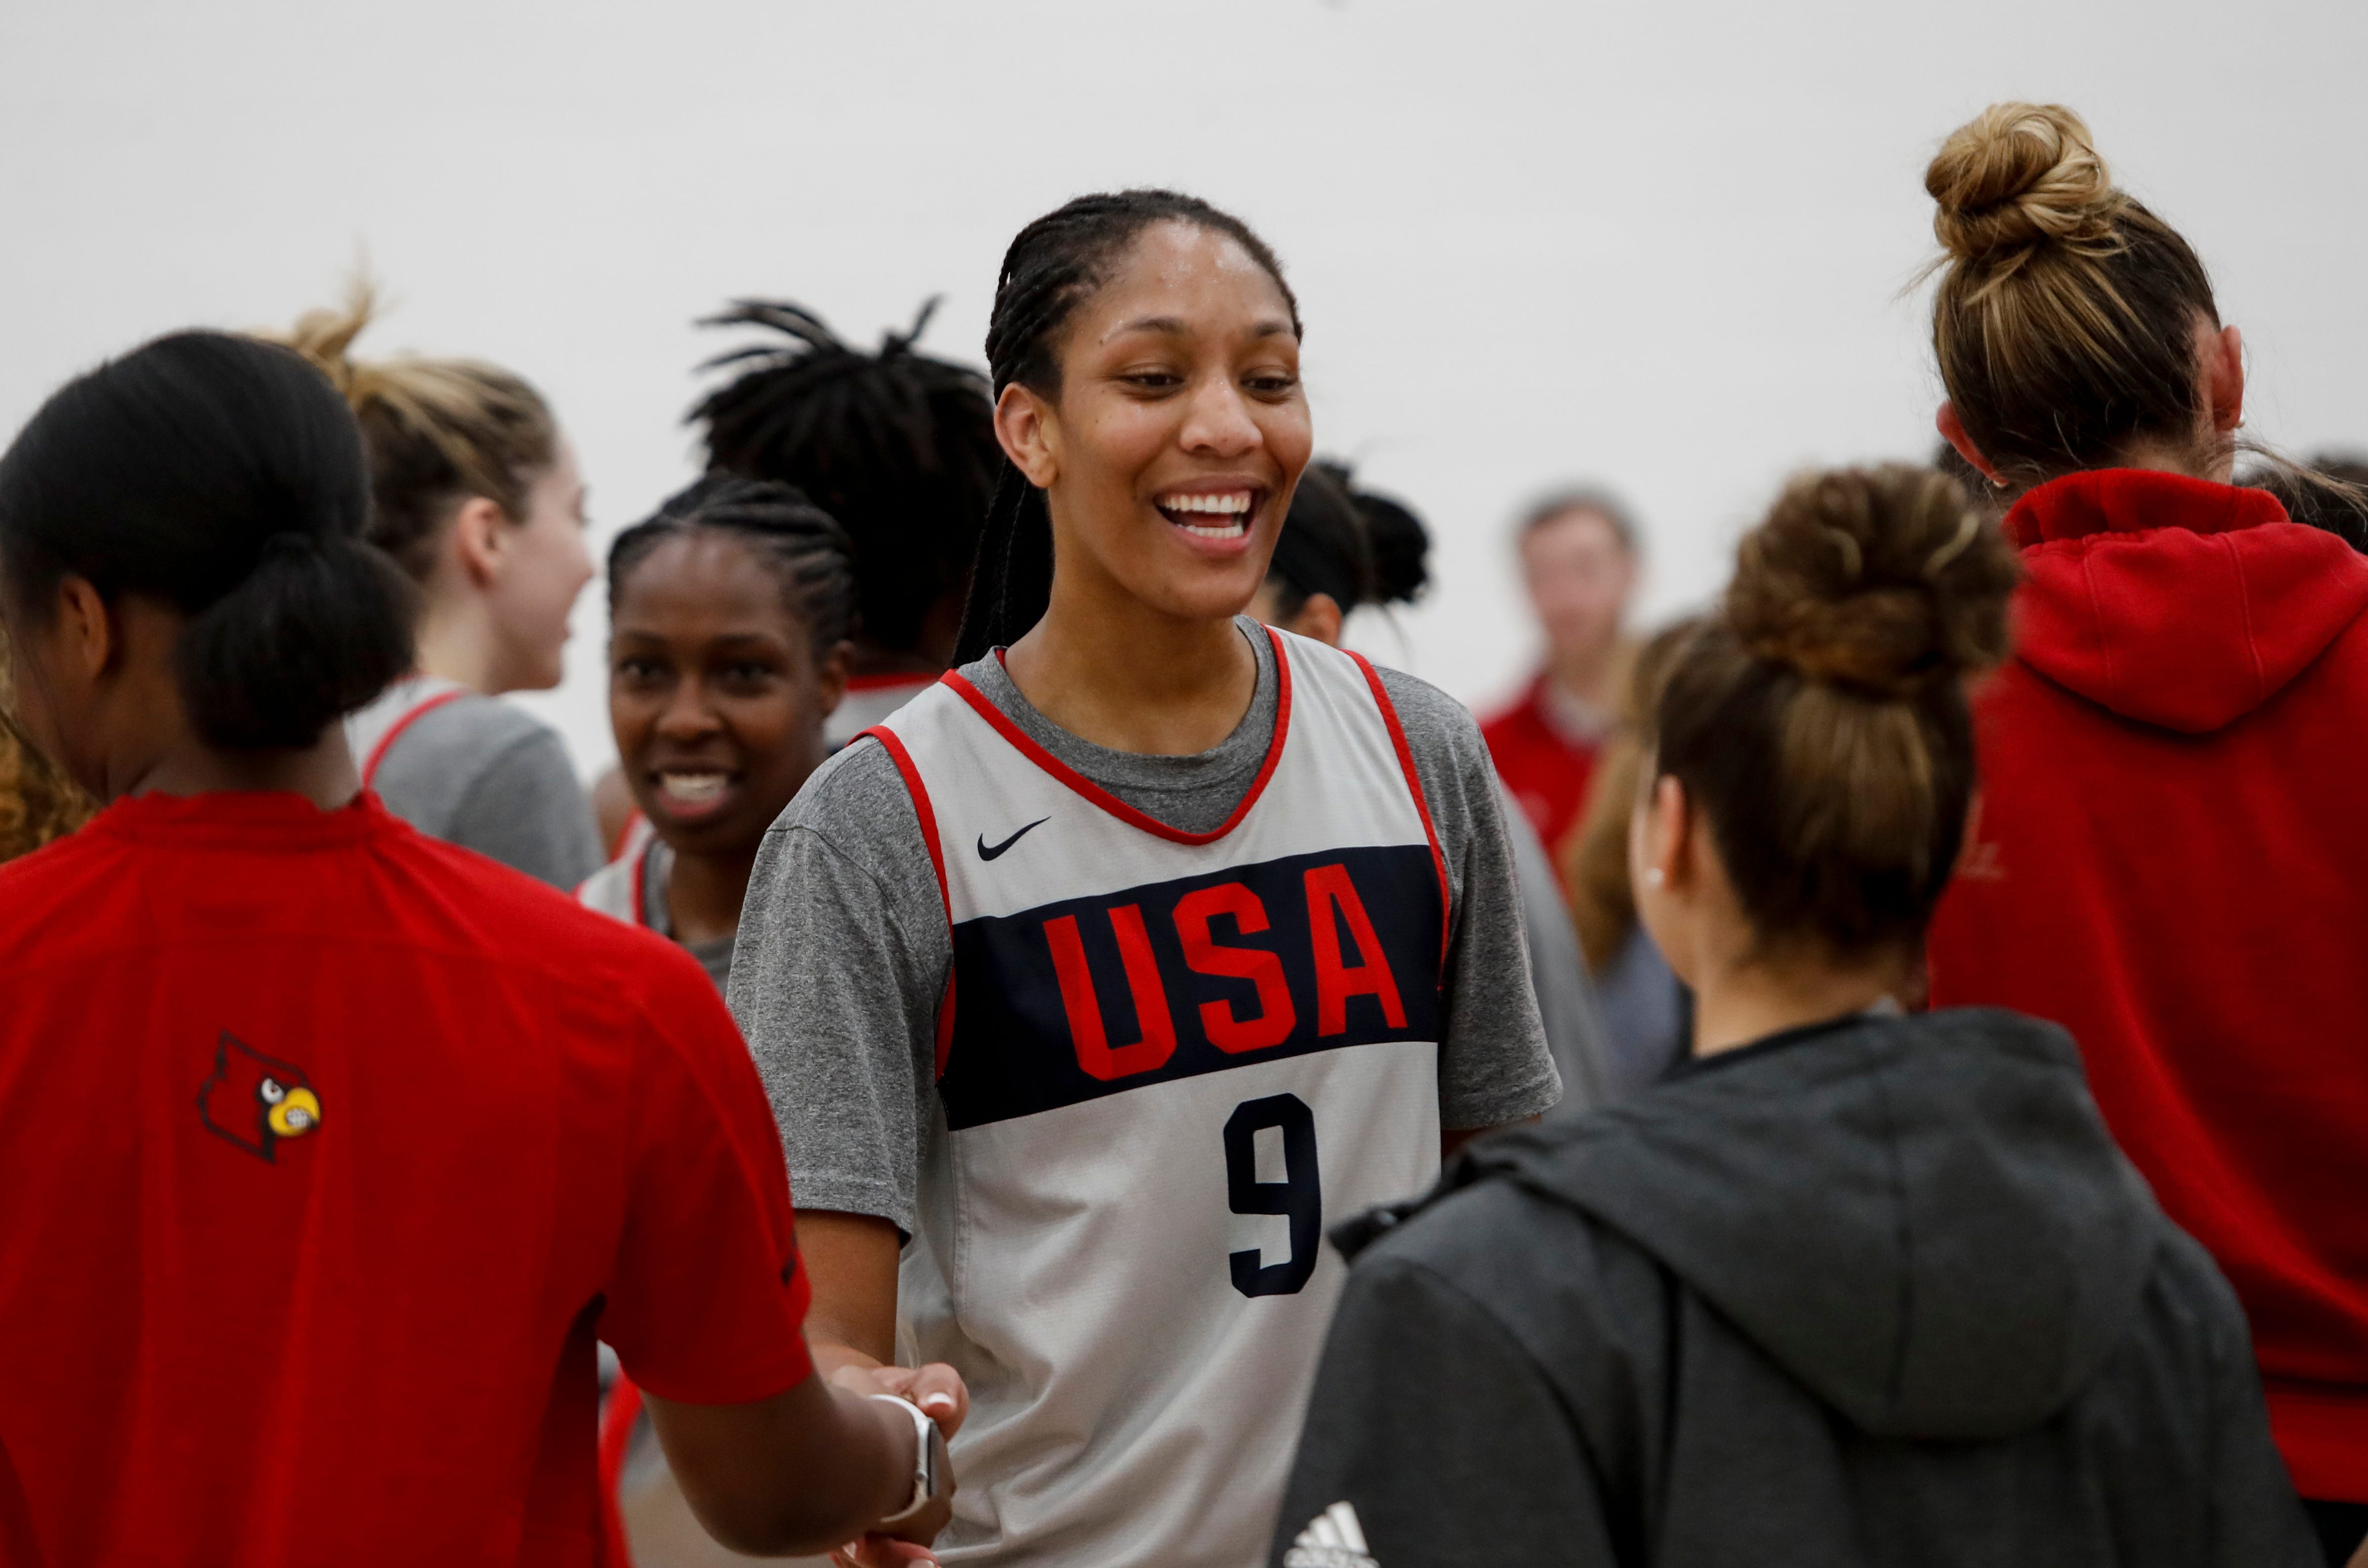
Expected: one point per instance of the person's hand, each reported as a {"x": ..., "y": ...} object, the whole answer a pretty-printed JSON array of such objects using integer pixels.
[{"x": 937, "y": 1389}]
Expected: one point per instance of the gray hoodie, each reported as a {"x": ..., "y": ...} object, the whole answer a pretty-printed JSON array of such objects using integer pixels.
[{"x": 1877, "y": 1291}]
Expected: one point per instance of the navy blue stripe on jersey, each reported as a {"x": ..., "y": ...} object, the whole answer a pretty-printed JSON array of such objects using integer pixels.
[{"x": 1094, "y": 996}]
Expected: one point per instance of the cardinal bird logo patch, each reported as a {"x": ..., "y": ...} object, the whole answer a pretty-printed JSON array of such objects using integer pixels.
[{"x": 256, "y": 1101}]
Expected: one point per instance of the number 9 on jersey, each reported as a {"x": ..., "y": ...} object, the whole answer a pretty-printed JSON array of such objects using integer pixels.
[{"x": 1299, "y": 1194}]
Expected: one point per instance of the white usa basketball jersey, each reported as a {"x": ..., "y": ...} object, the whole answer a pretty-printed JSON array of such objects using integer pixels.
[{"x": 1166, "y": 1062}]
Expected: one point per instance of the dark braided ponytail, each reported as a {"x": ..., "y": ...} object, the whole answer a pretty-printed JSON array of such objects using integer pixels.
[
  {"x": 897, "y": 445},
  {"x": 1052, "y": 266},
  {"x": 806, "y": 550}
]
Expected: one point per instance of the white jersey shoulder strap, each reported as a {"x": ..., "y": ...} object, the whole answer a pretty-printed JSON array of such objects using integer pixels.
[{"x": 619, "y": 888}]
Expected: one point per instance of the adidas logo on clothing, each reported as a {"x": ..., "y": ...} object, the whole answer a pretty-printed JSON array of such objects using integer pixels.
[{"x": 1333, "y": 1539}]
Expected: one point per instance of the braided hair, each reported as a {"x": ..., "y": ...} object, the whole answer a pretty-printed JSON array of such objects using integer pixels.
[
  {"x": 1055, "y": 264},
  {"x": 805, "y": 549},
  {"x": 898, "y": 447}
]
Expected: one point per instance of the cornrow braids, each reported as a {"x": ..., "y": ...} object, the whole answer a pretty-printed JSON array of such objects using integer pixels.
[
  {"x": 1054, "y": 266},
  {"x": 435, "y": 431},
  {"x": 898, "y": 447},
  {"x": 806, "y": 548}
]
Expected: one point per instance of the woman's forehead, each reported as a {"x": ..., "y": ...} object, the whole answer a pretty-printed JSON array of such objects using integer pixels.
[
  {"x": 706, "y": 574},
  {"x": 1183, "y": 279}
]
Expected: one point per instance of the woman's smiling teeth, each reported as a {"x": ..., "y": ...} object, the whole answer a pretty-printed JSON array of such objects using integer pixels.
[
  {"x": 1221, "y": 514},
  {"x": 694, "y": 788}
]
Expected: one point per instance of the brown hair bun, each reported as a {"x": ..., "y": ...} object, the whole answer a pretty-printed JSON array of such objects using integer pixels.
[
  {"x": 1884, "y": 580},
  {"x": 437, "y": 431},
  {"x": 2016, "y": 176},
  {"x": 1820, "y": 720}
]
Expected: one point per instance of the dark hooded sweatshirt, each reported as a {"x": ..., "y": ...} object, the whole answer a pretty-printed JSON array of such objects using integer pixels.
[
  {"x": 1878, "y": 1291},
  {"x": 2171, "y": 859}
]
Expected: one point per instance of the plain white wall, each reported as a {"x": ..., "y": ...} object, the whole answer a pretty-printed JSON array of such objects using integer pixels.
[{"x": 1661, "y": 246}]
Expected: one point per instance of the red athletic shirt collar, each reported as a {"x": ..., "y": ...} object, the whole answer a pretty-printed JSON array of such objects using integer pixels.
[
  {"x": 2129, "y": 500},
  {"x": 242, "y": 820}
]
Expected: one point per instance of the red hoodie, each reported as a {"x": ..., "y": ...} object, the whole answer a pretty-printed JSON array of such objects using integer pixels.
[{"x": 2171, "y": 859}]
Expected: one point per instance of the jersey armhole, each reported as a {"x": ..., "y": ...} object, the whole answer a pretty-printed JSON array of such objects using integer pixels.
[
  {"x": 921, "y": 808},
  {"x": 1421, "y": 803},
  {"x": 394, "y": 732}
]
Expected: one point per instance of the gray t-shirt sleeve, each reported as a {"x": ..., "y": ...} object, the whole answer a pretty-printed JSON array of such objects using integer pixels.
[
  {"x": 1574, "y": 1024},
  {"x": 1494, "y": 1066},
  {"x": 841, "y": 964}
]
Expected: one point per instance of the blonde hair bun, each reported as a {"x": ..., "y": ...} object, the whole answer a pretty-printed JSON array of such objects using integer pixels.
[
  {"x": 1885, "y": 581},
  {"x": 436, "y": 430},
  {"x": 2016, "y": 176},
  {"x": 325, "y": 336}
]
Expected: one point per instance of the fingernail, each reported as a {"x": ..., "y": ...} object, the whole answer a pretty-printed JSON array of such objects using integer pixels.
[{"x": 938, "y": 1402}]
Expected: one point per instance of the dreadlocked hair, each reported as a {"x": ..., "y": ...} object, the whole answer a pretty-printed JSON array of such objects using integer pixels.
[
  {"x": 898, "y": 447},
  {"x": 798, "y": 540},
  {"x": 437, "y": 431},
  {"x": 1055, "y": 264}
]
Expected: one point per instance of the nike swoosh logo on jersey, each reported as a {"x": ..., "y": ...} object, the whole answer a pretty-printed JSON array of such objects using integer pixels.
[{"x": 986, "y": 854}]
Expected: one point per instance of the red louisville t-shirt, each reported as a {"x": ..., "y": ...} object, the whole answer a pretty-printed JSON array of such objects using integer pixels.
[{"x": 328, "y": 1150}]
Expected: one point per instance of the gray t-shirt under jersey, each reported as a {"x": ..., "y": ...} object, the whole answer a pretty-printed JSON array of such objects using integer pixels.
[
  {"x": 490, "y": 777},
  {"x": 843, "y": 952}
]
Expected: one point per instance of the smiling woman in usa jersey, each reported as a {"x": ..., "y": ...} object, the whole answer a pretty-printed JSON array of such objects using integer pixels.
[{"x": 1110, "y": 970}]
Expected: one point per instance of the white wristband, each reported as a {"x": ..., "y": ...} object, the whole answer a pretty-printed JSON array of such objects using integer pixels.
[{"x": 924, "y": 1429}]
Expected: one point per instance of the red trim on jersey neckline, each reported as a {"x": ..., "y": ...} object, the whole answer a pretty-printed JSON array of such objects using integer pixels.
[
  {"x": 412, "y": 715},
  {"x": 1414, "y": 785},
  {"x": 1094, "y": 794},
  {"x": 921, "y": 808}
]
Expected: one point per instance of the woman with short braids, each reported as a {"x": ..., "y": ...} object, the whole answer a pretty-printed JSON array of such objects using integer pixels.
[
  {"x": 1849, "y": 1285},
  {"x": 1114, "y": 967},
  {"x": 324, "y": 1183},
  {"x": 2169, "y": 858}
]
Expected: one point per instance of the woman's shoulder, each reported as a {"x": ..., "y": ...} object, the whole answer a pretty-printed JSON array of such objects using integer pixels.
[
  {"x": 471, "y": 728},
  {"x": 1575, "y": 1293},
  {"x": 853, "y": 828},
  {"x": 857, "y": 795},
  {"x": 591, "y": 964},
  {"x": 1440, "y": 731}
]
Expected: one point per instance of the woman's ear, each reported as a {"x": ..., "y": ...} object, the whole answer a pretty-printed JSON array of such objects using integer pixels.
[
  {"x": 830, "y": 678},
  {"x": 92, "y": 642},
  {"x": 477, "y": 542},
  {"x": 1029, "y": 435},
  {"x": 1952, "y": 430},
  {"x": 1669, "y": 838},
  {"x": 1319, "y": 618},
  {"x": 1661, "y": 869},
  {"x": 2224, "y": 378},
  {"x": 58, "y": 670}
]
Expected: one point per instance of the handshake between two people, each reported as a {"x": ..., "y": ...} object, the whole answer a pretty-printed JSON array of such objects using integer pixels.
[{"x": 851, "y": 1462}]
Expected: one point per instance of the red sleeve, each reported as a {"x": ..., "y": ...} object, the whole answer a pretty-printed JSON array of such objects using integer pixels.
[{"x": 707, "y": 1302}]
